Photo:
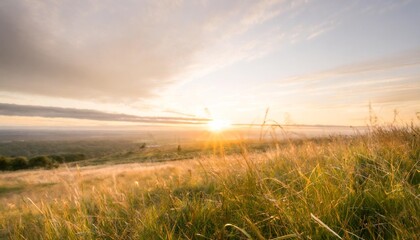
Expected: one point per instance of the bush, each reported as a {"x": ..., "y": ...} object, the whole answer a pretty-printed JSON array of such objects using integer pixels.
[
  {"x": 19, "y": 163},
  {"x": 42, "y": 161},
  {"x": 73, "y": 157},
  {"x": 57, "y": 158},
  {"x": 4, "y": 163},
  {"x": 39, "y": 161}
]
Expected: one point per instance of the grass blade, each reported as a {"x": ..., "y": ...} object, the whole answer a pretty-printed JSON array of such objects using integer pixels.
[
  {"x": 325, "y": 226},
  {"x": 240, "y": 229},
  {"x": 293, "y": 235}
]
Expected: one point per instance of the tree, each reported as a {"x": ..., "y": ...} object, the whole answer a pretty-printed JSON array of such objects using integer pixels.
[
  {"x": 42, "y": 161},
  {"x": 19, "y": 163},
  {"x": 4, "y": 163}
]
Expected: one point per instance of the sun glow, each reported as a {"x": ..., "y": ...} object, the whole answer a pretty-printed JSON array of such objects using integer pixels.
[{"x": 218, "y": 125}]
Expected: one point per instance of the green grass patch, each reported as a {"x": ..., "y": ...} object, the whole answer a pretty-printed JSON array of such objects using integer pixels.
[{"x": 10, "y": 189}]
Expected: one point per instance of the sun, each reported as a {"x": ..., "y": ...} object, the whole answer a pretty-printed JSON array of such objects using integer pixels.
[{"x": 218, "y": 125}]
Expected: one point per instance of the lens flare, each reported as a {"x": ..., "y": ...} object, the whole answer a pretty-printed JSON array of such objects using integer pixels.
[{"x": 218, "y": 125}]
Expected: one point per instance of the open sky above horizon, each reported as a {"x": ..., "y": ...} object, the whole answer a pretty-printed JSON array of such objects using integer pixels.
[{"x": 105, "y": 62}]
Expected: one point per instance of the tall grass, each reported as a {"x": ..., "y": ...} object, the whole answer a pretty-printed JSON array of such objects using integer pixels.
[{"x": 360, "y": 187}]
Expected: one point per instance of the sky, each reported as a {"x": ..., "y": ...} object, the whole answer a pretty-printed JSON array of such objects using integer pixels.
[{"x": 105, "y": 62}]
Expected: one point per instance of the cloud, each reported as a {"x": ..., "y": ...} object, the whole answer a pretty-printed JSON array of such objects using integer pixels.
[
  {"x": 383, "y": 6},
  {"x": 406, "y": 59},
  {"x": 90, "y": 49},
  {"x": 178, "y": 113},
  {"x": 321, "y": 28},
  {"x": 125, "y": 50},
  {"x": 391, "y": 80},
  {"x": 7, "y": 109}
]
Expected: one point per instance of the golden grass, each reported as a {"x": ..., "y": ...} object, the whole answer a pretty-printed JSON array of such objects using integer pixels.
[{"x": 361, "y": 187}]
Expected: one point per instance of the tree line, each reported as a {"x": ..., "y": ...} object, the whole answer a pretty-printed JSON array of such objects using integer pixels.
[{"x": 43, "y": 161}]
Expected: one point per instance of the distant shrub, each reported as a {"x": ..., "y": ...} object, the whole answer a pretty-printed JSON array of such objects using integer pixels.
[
  {"x": 39, "y": 161},
  {"x": 73, "y": 157},
  {"x": 42, "y": 161},
  {"x": 52, "y": 161},
  {"x": 4, "y": 163},
  {"x": 57, "y": 158},
  {"x": 19, "y": 163}
]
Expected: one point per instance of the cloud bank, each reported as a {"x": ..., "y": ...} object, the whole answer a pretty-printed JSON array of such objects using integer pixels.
[
  {"x": 7, "y": 109},
  {"x": 118, "y": 49},
  {"x": 89, "y": 49}
]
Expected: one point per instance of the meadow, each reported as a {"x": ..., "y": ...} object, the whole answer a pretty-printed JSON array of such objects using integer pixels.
[{"x": 364, "y": 186}]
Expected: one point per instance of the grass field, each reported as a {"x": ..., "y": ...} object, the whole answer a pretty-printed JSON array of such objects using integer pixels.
[{"x": 349, "y": 187}]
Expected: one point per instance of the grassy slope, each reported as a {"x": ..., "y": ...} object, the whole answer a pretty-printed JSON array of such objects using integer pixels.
[{"x": 360, "y": 187}]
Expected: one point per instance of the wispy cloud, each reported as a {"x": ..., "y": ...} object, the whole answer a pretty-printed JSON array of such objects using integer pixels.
[
  {"x": 305, "y": 83},
  {"x": 392, "y": 81},
  {"x": 384, "y": 6},
  {"x": 406, "y": 59},
  {"x": 7, "y": 109},
  {"x": 179, "y": 113},
  {"x": 321, "y": 28}
]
